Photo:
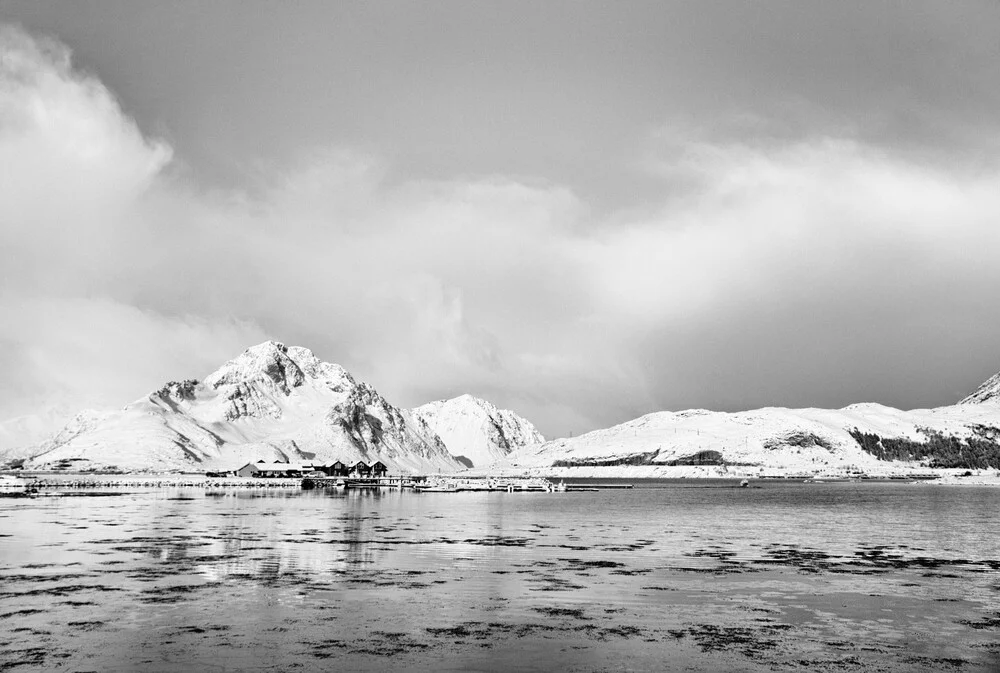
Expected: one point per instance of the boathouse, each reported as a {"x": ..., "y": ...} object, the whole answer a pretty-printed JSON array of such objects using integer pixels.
[
  {"x": 247, "y": 470},
  {"x": 277, "y": 470},
  {"x": 360, "y": 469},
  {"x": 379, "y": 469},
  {"x": 335, "y": 469}
]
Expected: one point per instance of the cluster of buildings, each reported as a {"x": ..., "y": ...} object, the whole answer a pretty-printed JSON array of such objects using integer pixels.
[{"x": 359, "y": 469}]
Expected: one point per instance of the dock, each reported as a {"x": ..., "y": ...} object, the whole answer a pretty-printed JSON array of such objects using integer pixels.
[
  {"x": 357, "y": 482},
  {"x": 442, "y": 484}
]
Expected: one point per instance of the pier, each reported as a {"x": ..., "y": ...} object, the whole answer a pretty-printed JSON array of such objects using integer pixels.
[{"x": 309, "y": 483}]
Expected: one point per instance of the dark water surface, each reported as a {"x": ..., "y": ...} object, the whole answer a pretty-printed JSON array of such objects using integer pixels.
[{"x": 690, "y": 575}]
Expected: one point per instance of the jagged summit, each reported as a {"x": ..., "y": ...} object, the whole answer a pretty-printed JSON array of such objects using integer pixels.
[
  {"x": 989, "y": 391},
  {"x": 270, "y": 359},
  {"x": 476, "y": 430},
  {"x": 285, "y": 366}
]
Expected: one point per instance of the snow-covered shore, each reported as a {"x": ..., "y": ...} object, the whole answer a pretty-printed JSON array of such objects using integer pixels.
[{"x": 889, "y": 470}]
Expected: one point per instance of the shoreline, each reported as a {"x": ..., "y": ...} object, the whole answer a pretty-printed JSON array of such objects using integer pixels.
[
  {"x": 887, "y": 472},
  {"x": 951, "y": 477}
]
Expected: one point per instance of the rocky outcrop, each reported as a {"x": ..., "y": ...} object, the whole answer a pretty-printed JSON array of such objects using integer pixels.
[{"x": 989, "y": 391}]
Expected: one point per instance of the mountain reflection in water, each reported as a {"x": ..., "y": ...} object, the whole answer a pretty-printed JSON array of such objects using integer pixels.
[{"x": 694, "y": 576}]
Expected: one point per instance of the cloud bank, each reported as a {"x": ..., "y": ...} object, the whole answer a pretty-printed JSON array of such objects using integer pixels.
[{"x": 803, "y": 271}]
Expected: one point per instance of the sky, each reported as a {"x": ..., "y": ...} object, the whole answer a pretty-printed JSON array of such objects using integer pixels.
[{"x": 582, "y": 211}]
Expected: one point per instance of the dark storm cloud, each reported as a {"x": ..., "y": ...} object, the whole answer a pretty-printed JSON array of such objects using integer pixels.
[{"x": 568, "y": 91}]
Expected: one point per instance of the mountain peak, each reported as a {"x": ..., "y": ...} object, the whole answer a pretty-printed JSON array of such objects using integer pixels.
[
  {"x": 268, "y": 360},
  {"x": 989, "y": 391}
]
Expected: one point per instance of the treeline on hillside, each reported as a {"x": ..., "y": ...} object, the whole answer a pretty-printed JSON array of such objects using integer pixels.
[
  {"x": 633, "y": 459},
  {"x": 700, "y": 458},
  {"x": 939, "y": 450}
]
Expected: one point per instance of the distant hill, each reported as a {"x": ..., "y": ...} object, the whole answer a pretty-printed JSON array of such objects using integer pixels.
[{"x": 867, "y": 437}]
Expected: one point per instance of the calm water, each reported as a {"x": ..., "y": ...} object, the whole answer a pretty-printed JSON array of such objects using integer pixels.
[{"x": 670, "y": 576}]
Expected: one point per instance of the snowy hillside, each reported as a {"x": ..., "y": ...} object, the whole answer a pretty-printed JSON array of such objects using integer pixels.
[
  {"x": 272, "y": 402},
  {"x": 759, "y": 441},
  {"x": 476, "y": 430}
]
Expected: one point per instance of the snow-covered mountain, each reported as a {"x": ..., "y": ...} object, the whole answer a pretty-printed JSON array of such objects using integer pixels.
[
  {"x": 476, "y": 430},
  {"x": 272, "y": 402},
  {"x": 281, "y": 403},
  {"x": 867, "y": 437}
]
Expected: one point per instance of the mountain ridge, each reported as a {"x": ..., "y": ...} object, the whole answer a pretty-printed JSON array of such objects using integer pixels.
[{"x": 277, "y": 402}]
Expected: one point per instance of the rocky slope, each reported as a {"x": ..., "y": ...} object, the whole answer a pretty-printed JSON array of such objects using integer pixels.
[
  {"x": 989, "y": 391},
  {"x": 476, "y": 430},
  {"x": 272, "y": 402}
]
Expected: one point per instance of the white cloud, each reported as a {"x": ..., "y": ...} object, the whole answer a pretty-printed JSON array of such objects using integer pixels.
[
  {"x": 811, "y": 218},
  {"x": 759, "y": 266}
]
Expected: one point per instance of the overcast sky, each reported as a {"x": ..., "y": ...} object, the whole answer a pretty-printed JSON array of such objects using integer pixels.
[{"x": 583, "y": 211}]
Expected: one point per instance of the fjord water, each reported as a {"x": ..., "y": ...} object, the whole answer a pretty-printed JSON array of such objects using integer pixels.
[{"x": 685, "y": 575}]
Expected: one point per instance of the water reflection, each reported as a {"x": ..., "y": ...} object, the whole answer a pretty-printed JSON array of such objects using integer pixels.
[{"x": 841, "y": 576}]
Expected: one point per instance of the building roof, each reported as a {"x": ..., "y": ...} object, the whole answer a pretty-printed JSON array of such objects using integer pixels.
[
  {"x": 261, "y": 466},
  {"x": 278, "y": 467}
]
